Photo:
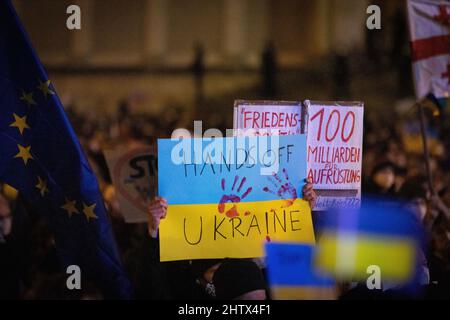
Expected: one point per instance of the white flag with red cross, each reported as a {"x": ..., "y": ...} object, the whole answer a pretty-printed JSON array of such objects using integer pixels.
[{"x": 429, "y": 25}]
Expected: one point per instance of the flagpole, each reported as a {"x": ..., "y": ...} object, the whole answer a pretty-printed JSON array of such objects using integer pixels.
[{"x": 426, "y": 152}]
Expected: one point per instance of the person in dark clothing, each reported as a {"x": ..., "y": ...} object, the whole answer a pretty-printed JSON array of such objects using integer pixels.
[
  {"x": 341, "y": 76},
  {"x": 382, "y": 180},
  {"x": 239, "y": 279},
  {"x": 439, "y": 260},
  {"x": 204, "y": 271},
  {"x": 269, "y": 70},
  {"x": 54, "y": 287},
  {"x": 178, "y": 279},
  {"x": 415, "y": 194},
  {"x": 431, "y": 212},
  {"x": 155, "y": 280}
]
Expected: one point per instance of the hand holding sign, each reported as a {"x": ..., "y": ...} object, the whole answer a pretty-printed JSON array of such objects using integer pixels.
[
  {"x": 134, "y": 174},
  {"x": 157, "y": 210},
  {"x": 309, "y": 194},
  {"x": 216, "y": 211}
]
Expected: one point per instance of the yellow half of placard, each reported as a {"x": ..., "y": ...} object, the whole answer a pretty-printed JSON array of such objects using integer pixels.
[
  {"x": 199, "y": 231},
  {"x": 350, "y": 256}
]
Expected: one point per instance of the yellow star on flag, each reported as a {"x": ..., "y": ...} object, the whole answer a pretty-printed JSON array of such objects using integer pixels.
[
  {"x": 42, "y": 186},
  {"x": 28, "y": 98},
  {"x": 45, "y": 88},
  {"x": 20, "y": 123},
  {"x": 24, "y": 153},
  {"x": 89, "y": 211},
  {"x": 70, "y": 207}
]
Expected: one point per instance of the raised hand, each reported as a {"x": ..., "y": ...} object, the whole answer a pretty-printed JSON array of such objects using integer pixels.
[
  {"x": 309, "y": 194},
  {"x": 157, "y": 210}
]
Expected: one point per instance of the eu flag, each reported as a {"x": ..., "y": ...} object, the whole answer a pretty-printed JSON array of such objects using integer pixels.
[{"x": 42, "y": 158}]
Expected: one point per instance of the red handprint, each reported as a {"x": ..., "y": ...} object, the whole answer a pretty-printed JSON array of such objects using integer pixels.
[
  {"x": 285, "y": 190},
  {"x": 233, "y": 198}
]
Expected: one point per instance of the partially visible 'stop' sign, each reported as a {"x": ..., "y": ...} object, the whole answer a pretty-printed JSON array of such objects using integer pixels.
[{"x": 134, "y": 175}]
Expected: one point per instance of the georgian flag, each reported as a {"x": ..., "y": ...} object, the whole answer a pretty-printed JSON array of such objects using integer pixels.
[{"x": 429, "y": 25}]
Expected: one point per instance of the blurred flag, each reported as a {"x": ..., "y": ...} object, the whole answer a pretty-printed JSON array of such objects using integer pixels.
[
  {"x": 41, "y": 157},
  {"x": 413, "y": 141},
  {"x": 292, "y": 274},
  {"x": 382, "y": 233},
  {"x": 429, "y": 25}
]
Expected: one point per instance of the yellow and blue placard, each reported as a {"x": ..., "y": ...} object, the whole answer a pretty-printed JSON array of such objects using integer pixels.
[
  {"x": 292, "y": 274},
  {"x": 238, "y": 194},
  {"x": 382, "y": 234}
]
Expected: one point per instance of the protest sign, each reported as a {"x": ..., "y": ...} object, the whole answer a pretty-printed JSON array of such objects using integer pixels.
[
  {"x": 134, "y": 175},
  {"x": 335, "y": 134},
  {"x": 381, "y": 234},
  {"x": 293, "y": 275},
  {"x": 268, "y": 118},
  {"x": 228, "y": 196}
]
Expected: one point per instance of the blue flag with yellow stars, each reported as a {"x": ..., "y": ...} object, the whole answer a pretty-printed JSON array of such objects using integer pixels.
[{"x": 42, "y": 158}]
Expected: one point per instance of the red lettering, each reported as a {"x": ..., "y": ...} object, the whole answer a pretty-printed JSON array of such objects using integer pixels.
[
  {"x": 256, "y": 116},
  {"x": 266, "y": 120},
  {"x": 274, "y": 120},
  {"x": 282, "y": 119},
  {"x": 319, "y": 113},
  {"x": 296, "y": 119},
  {"x": 337, "y": 126},
  {"x": 345, "y": 139},
  {"x": 246, "y": 118}
]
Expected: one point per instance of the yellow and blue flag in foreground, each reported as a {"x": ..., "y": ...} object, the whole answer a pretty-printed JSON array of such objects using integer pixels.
[
  {"x": 228, "y": 196},
  {"x": 41, "y": 157},
  {"x": 382, "y": 235},
  {"x": 293, "y": 275}
]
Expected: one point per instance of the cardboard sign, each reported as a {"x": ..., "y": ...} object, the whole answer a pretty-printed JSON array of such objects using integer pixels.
[
  {"x": 237, "y": 195},
  {"x": 293, "y": 275},
  {"x": 335, "y": 135},
  {"x": 380, "y": 237},
  {"x": 134, "y": 175},
  {"x": 254, "y": 118}
]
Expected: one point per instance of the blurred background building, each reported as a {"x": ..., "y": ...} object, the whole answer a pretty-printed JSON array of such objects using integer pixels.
[{"x": 147, "y": 49}]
